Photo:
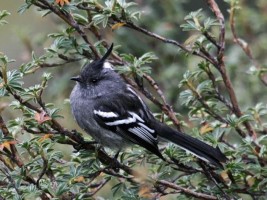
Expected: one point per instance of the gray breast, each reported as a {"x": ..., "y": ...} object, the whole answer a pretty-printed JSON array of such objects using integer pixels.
[{"x": 82, "y": 110}]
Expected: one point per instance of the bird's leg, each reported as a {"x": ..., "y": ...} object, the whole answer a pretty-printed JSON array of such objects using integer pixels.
[
  {"x": 89, "y": 142},
  {"x": 78, "y": 147},
  {"x": 116, "y": 155},
  {"x": 114, "y": 163},
  {"x": 83, "y": 143}
]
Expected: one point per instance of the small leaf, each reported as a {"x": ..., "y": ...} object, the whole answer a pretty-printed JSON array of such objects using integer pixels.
[
  {"x": 3, "y": 105},
  {"x": 101, "y": 18},
  {"x": 192, "y": 39},
  {"x": 3, "y": 14},
  {"x": 41, "y": 117},
  {"x": 62, "y": 2},
  {"x": 145, "y": 192},
  {"x": 79, "y": 18},
  {"x": 206, "y": 129},
  {"x": 117, "y": 25},
  {"x": 225, "y": 176},
  {"x": 4, "y": 74},
  {"x": 79, "y": 179},
  {"x": 7, "y": 144},
  {"x": 250, "y": 180},
  {"x": 46, "y": 136}
]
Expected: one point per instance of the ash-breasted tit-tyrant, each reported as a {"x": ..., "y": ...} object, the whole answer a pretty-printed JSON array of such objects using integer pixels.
[{"x": 109, "y": 110}]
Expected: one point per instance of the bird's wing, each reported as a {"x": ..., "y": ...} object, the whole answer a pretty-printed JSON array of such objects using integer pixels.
[{"x": 127, "y": 115}]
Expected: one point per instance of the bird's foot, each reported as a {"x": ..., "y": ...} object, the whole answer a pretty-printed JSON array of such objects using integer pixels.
[
  {"x": 78, "y": 147},
  {"x": 115, "y": 165}
]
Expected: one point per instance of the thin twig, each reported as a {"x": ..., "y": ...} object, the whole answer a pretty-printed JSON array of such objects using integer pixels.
[
  {"x": 205, "y": 105},
  {"x": 220, "y": 65},
  {"x": 171, "y": 113},
  {"x": 133, "y": 26},
  {"x": 211, "y": 39},
  {"x": 15, "y": 155},
  {"x": 186, "y": 191},
  {"x": 113, "y": 173},
  {"x": 217, "y": 92},
  {"x": 43, "y": 172},
  {"x": 164, "y": 107},
  {"x": 165, "y": 40},
  {"x": 214, "y": 178},
  {"x": 244, "y": 45},
  {"x": 217, "y": 12},
  {"x": 103, "y": 157},
  {"x": 6, "y": 172},
  {"x": 49, "y": 65},
  {"x": 69, "y": 20},
  {"x": 98, "y": 187}
]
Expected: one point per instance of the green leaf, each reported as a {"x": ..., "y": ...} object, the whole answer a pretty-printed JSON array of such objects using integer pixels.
[
  {"x": 14, "y": 80},
  {"x": 186, "y": 97},
  {"x": 194, "y": 14},
  {"x": 137, "y": 66},
  {"x": 205, "y": 87},
  {"x": 25, "y": 7},
  {"x": 80, "y": 19},
  {"x": 100, "y": 18},
  {"x": 3, "y": 14},
  {"x": 208, "y": 23},
  {"x": 244, "y": 118}
]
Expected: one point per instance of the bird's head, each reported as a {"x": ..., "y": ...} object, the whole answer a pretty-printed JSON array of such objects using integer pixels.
[{"x": 96, "y": 72}]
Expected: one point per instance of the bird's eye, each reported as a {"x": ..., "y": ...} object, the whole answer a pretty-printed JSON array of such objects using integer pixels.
[{"x": 94, "y": 80}]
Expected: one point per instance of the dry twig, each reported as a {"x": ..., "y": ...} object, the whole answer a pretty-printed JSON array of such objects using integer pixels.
[{"x": 243, "y": 44}]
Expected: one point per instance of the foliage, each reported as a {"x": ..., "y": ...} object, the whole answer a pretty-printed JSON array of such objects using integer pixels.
[{"x": 214, "y": 108}]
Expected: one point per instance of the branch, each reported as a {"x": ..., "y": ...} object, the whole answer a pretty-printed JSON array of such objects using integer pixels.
[
  {"x": 103, "y": 157},
  {"x": 165, "y": 107},
  {"x": 214, "y": 178},
  {"x": 97, "y": 188},
  {"x": 163, "y": 39},
  {"x": 217, "y": 92},
  {"x": 15, "y": 156},
  {"x": 211, "y": 39},
  {"x": 69, "y": 20},
  {"x": 220, "y": 65},
  {"x": 243, "y": 44},
  {"x": 186, "y": 191},
  {"x": 81, "y": 144},
  {"x": 135, "y": 27},
  {"x": 43, "y": 172},
  {"x": 6, "y": 172},
  {"x": 217, "y": 12},
  {"x": 21, "y": 101},
  {"x": 169, "y": 111},
  {"x": 205, "y": 105},
  {"x": 49, "y": 65},
  {"x": 16, "y": 159}
]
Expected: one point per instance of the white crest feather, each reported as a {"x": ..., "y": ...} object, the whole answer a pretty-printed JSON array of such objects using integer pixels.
[{"x": 107, "y": 65}]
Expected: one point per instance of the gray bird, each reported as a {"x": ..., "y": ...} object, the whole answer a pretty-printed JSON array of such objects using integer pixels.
[{"x": 109, "y": 110}]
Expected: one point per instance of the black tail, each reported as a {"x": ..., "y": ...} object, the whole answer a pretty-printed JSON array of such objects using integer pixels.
[{"x": 198, "y": 148}]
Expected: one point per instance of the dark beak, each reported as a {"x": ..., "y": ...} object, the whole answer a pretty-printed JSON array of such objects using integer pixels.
[{"x": 76, "y": 78}]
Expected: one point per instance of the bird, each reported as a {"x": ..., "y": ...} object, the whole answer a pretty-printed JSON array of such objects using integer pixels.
[{"x": 114, "y": 114}]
